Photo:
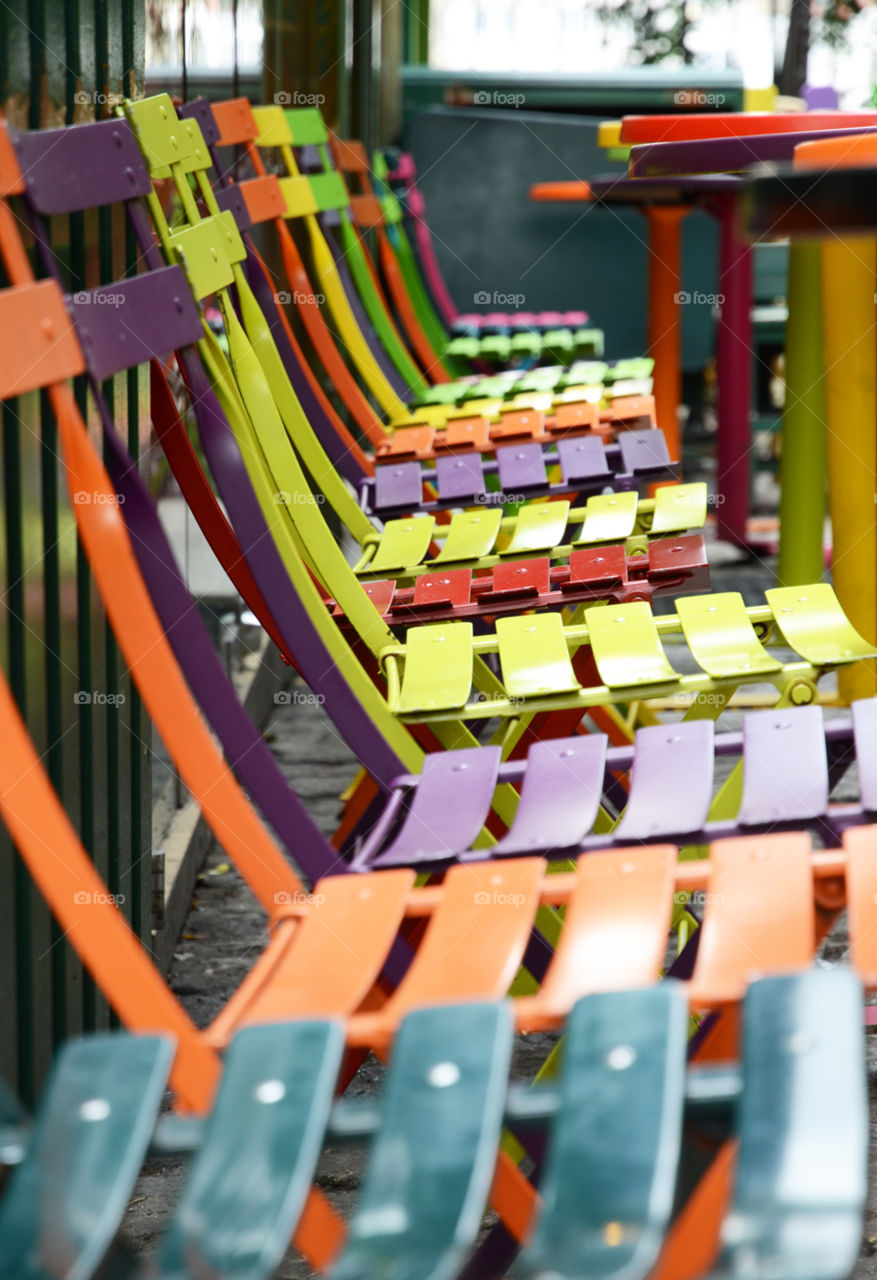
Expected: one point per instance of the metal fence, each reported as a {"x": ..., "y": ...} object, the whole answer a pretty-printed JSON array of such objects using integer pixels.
[{"x": 63, "y": 61}]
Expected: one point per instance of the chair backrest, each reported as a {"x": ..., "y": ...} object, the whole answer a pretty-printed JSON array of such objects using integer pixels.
[
  {"x": 313, "y": 197},
  {"x": 257, "y": 200},
  {"x": 614, "y": 1125}
]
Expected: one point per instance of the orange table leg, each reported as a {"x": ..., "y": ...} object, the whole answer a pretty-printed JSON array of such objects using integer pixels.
[{"x": 665, "y": 346}]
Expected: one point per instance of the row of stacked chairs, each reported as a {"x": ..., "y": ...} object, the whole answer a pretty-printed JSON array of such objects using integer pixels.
[{"x": 490, "y": 657}]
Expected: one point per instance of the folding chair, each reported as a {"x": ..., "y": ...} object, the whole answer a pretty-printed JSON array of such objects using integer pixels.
[{"x": 615, "y": 1125}]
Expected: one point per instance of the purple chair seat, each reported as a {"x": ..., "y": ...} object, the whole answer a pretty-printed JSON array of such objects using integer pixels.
[{"x": 787, "y": 782}]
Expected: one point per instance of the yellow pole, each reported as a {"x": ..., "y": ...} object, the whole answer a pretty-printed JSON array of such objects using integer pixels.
[{"x": 849, "y": 269}]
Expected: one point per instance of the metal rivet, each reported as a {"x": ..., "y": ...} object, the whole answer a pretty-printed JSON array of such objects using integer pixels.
[
  {"x": 48, "y": 328},
  {"x": 460, "y": 768},
  {"x": 613, "y": 1234},
  {"x": 443, "y": 1075},
  {"x": 621, "y": 1057},
  {"x": 801, "y": 1042},
  {"x": 627, "y": 868},
  {"x": 95, "y": 1109},
  {"x": 269, "y": 1091}
]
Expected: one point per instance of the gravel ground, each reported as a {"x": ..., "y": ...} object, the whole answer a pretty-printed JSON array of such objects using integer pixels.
[{"x": 225, "y": 932}]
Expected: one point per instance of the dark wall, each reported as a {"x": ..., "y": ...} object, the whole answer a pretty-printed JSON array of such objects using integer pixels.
[{"x": 475, "y": 169}]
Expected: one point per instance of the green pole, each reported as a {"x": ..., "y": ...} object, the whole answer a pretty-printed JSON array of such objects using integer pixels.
[{"x": 804, "y": 466}]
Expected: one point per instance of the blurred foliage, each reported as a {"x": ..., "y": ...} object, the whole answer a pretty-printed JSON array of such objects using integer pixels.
[
  {"x": 834, "y": 23},
  {"x": 659, "y": 28}
]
